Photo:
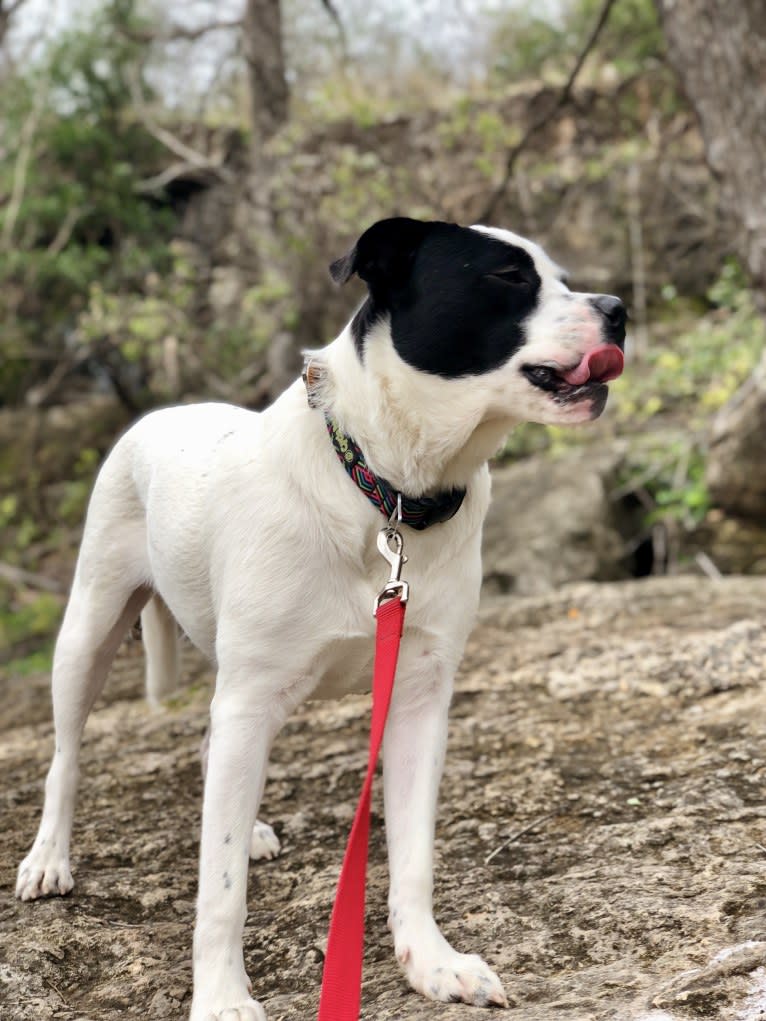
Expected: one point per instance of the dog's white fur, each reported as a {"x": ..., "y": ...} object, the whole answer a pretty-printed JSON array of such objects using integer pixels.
[{"x": 248, "y": 529}]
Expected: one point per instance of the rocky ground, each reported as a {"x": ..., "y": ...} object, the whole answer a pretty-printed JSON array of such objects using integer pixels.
[{"x": 602, "y": 838}]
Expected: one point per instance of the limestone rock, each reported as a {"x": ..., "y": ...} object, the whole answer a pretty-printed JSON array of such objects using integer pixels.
[
  {"x": 599, "y": 841},
  {"x": 551, "y": 522},
  {"x": 736, "y": 472}
]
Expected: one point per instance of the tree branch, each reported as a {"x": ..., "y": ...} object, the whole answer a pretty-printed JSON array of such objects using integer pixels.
[
  {"x": 194, "y": 159},
  {"x": 204, "y": 175},
  {"x": 544, "y": 118},
  {"x": 19, "y": 576},
  {"x": 179, "y": 32},
  {"x": 21, "y": 166},
  {"x": 332, "y": 10},
  {"x": 7, "y": 10},
  {"x": 175, "y": 32},
  {"x": 66, "y": 229}
]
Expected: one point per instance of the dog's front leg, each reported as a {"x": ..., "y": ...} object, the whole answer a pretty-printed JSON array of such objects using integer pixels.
[
  {"x": 241, "y": 732},
  {"x": 414, "y": 748}
]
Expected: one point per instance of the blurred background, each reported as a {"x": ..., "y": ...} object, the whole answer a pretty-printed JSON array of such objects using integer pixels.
[{"x": 175, "y": 179}]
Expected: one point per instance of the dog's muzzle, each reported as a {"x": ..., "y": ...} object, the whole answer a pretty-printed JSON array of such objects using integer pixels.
[{"x": 596, "y": 368}]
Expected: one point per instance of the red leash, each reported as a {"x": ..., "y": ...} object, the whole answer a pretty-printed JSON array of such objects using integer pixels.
[{"x": 342, "y": 977}]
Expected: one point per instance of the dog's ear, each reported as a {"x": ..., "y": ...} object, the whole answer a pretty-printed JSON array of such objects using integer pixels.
[
  {"x": 343, "y": 269},
  {"x": 383, "y": 254}
]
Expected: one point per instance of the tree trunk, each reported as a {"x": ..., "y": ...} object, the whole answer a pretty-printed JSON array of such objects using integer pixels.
[
  {"x": 8, "y": 9},
  {"x": 264, "y": 54},
  {"x": 718, "y": 48}
]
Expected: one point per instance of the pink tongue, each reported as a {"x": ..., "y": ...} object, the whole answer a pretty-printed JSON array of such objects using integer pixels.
[{"x": 598, "y": 366}]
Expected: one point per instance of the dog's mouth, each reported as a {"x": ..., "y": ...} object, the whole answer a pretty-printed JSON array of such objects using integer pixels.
[{"x": 589, "y": 376}]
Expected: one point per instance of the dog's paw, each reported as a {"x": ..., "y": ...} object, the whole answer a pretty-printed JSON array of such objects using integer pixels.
[
  {"x": 437, "y": 971},
  {"x": 264, "y": 843},
  {"x": 249, "y": 1010},
  {"x": 464, "y": 978},
  {"x": 43, "y": 873}
]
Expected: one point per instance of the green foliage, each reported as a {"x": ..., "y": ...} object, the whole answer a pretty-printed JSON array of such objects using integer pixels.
[
  {"x": 37, "y": 662},
  {"x": 26, "y": 627},
  {"x": 541, "y": 45},
  {"x": 524, "y": 44},
  {"x": 72, "y": 161},
  {"x": 8, "y": 507},
  {"x": 686, "y": 378},
  {"x": 35, "y": 617},
  {"x": 525, "y": 440},
  {"x": 74, "y": 501},
  {"x": 694, "y": 371},
  {"x": 361, "y": 184},
  {"x": 679, "y": 491},
  {"x": 631, "y": 38},
  {"x": 469, "y": 123},
  {"x": 136, "y": 318},
  {"x": 666, "y": 474}
]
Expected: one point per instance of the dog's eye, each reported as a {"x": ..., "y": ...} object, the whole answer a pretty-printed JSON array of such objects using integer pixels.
[{"x": 512, "y": 276}]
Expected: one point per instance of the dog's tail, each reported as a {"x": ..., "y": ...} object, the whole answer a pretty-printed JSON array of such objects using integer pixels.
[{"x": 159, "y": 632}]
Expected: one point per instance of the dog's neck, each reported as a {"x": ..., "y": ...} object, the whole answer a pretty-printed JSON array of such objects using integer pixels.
[{"x": 420, "y": 432}]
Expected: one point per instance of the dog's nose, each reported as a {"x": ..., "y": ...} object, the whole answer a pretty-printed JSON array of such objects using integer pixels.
[{"x": 613, "y": 310}]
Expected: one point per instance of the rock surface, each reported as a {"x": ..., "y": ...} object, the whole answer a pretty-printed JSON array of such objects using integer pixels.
[
  {"x": 735, "y": 472},
  {"x": 551, "y": 522},
  {"x": 602, "y": 835}
]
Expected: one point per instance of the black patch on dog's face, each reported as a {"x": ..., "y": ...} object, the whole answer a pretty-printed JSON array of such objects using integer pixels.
[{"x": 456, "y": 299}]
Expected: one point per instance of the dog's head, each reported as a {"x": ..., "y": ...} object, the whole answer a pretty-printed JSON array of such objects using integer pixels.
[{"x": 467, "y": 302}]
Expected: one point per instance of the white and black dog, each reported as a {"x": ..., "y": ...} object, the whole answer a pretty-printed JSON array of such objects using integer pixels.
[{"x": 245, "y": 530}]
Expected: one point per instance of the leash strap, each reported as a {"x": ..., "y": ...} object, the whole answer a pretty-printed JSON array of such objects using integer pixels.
[{"x": 342, "y": 977}]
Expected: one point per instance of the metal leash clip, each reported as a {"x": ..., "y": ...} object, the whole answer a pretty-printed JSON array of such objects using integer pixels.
[{"x": 391, "y": 548}]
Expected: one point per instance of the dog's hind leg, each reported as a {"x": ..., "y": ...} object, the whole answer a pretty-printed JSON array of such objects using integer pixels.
[
  {"x": 264, "y": 843},
  {"x": 109, "y": 591},
  {"x": 93, "y": 628},
  {"x": 159, "y": 632}
]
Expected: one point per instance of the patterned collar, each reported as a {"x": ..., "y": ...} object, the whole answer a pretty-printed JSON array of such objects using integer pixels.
[{"x": 418, "y": 513}]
